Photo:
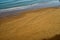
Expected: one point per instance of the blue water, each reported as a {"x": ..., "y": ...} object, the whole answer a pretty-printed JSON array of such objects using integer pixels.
[{"x": 4, "y": 4}]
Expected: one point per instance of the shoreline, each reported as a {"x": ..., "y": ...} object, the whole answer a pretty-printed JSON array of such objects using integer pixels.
[{"x": 6, "y": 12}]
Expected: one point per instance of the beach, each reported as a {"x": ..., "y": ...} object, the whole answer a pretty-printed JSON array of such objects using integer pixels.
[{"x": 31, "y": 25}]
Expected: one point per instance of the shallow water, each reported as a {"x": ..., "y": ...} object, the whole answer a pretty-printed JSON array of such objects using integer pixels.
[{"x": 16, "y": 3}]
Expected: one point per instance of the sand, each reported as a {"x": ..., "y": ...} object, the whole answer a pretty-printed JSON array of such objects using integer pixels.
[{"x": 31, "y": 25}]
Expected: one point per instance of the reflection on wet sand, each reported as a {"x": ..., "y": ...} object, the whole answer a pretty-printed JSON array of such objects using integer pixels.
[{"x": 31, "y": 25}]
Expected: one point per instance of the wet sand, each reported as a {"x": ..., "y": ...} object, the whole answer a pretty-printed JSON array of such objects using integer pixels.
[{"x": 31, "y": 25}]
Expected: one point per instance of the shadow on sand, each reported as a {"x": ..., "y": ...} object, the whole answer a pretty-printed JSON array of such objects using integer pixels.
[{"x": 56, "y": 37}]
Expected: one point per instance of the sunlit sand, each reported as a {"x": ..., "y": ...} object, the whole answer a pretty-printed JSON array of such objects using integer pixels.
[{"x": 31, "y": 25}]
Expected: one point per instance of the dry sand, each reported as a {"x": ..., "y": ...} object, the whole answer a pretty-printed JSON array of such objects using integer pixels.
[{"x": 31, "y": 25}]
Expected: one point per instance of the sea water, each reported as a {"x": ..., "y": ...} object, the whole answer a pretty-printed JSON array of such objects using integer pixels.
[{"x": 4, "y": 4}]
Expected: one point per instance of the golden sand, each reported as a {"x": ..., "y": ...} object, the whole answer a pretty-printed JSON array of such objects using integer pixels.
[{"x": 31, "y": 25}]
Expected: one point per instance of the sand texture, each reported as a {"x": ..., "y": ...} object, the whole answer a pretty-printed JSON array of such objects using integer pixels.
[{"x": 31, "y": 25}]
